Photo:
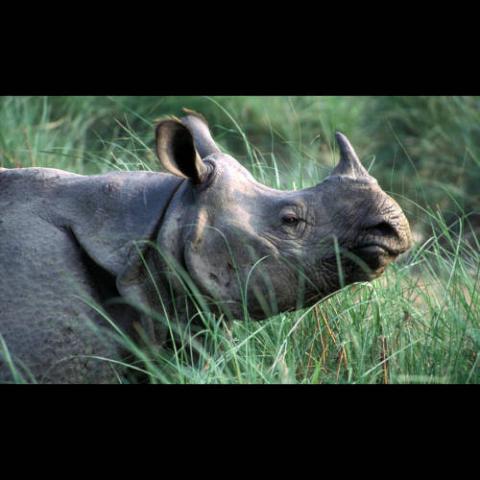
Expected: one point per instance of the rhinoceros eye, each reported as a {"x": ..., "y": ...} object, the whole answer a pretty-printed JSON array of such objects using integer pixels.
[{"x": 290, "y": 219}]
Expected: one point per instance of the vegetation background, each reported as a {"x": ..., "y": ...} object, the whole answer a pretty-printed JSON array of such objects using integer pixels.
[{"x": 418, "y": 323}]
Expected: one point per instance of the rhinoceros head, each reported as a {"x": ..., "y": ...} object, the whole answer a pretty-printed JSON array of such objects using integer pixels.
[{"x": 245, "y": 244}]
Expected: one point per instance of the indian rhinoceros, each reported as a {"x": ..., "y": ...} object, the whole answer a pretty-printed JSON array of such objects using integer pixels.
[{"x": 71, "y": 244}]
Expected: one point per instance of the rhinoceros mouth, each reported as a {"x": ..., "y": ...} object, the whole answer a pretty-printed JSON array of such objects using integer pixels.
[
  {"x": 375, "y": 254},
  {"x": 375, "y": 249}
]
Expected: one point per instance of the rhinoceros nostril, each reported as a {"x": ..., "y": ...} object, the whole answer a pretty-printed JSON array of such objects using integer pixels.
[{"x": 382, "y": 229}]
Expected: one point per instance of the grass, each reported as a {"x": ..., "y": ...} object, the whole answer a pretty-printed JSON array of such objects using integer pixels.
[{"x": 419, "y": 323}]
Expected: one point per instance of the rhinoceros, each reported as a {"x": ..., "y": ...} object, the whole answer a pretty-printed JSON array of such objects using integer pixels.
[{"x": 72, "y": 244}]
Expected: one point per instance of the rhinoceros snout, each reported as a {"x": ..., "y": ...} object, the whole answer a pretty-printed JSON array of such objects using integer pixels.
[
  {"x": 393, "y": 235},
  {"x": 384, "y": 237}
]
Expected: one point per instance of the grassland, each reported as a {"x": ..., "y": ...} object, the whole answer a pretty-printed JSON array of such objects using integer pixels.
[{"x": 419, "y": 323}]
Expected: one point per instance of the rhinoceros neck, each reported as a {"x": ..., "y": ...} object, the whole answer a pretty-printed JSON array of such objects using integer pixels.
[{"x": 178, "y": 219}]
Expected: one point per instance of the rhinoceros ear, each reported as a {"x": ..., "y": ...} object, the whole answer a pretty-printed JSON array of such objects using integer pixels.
[
  {"x": 176, "y": 150},
  {"x": 202, "y": 137}
]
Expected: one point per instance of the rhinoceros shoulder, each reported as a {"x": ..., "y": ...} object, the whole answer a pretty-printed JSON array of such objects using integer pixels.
[
  {"x": 17, "y": 183},
  {"x": 34, "y": 173}
]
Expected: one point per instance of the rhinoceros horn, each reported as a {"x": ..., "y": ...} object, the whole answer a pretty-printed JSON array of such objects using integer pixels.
[
  {"x": 349, "y": 164},
  {"x": 198, "y": 126}
]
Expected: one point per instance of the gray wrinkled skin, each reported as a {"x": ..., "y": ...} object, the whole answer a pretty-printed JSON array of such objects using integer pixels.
[{"x": 68, "y": 242}]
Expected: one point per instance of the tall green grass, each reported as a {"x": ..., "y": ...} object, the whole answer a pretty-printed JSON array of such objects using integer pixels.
[{"x": 419, "y": 323}]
